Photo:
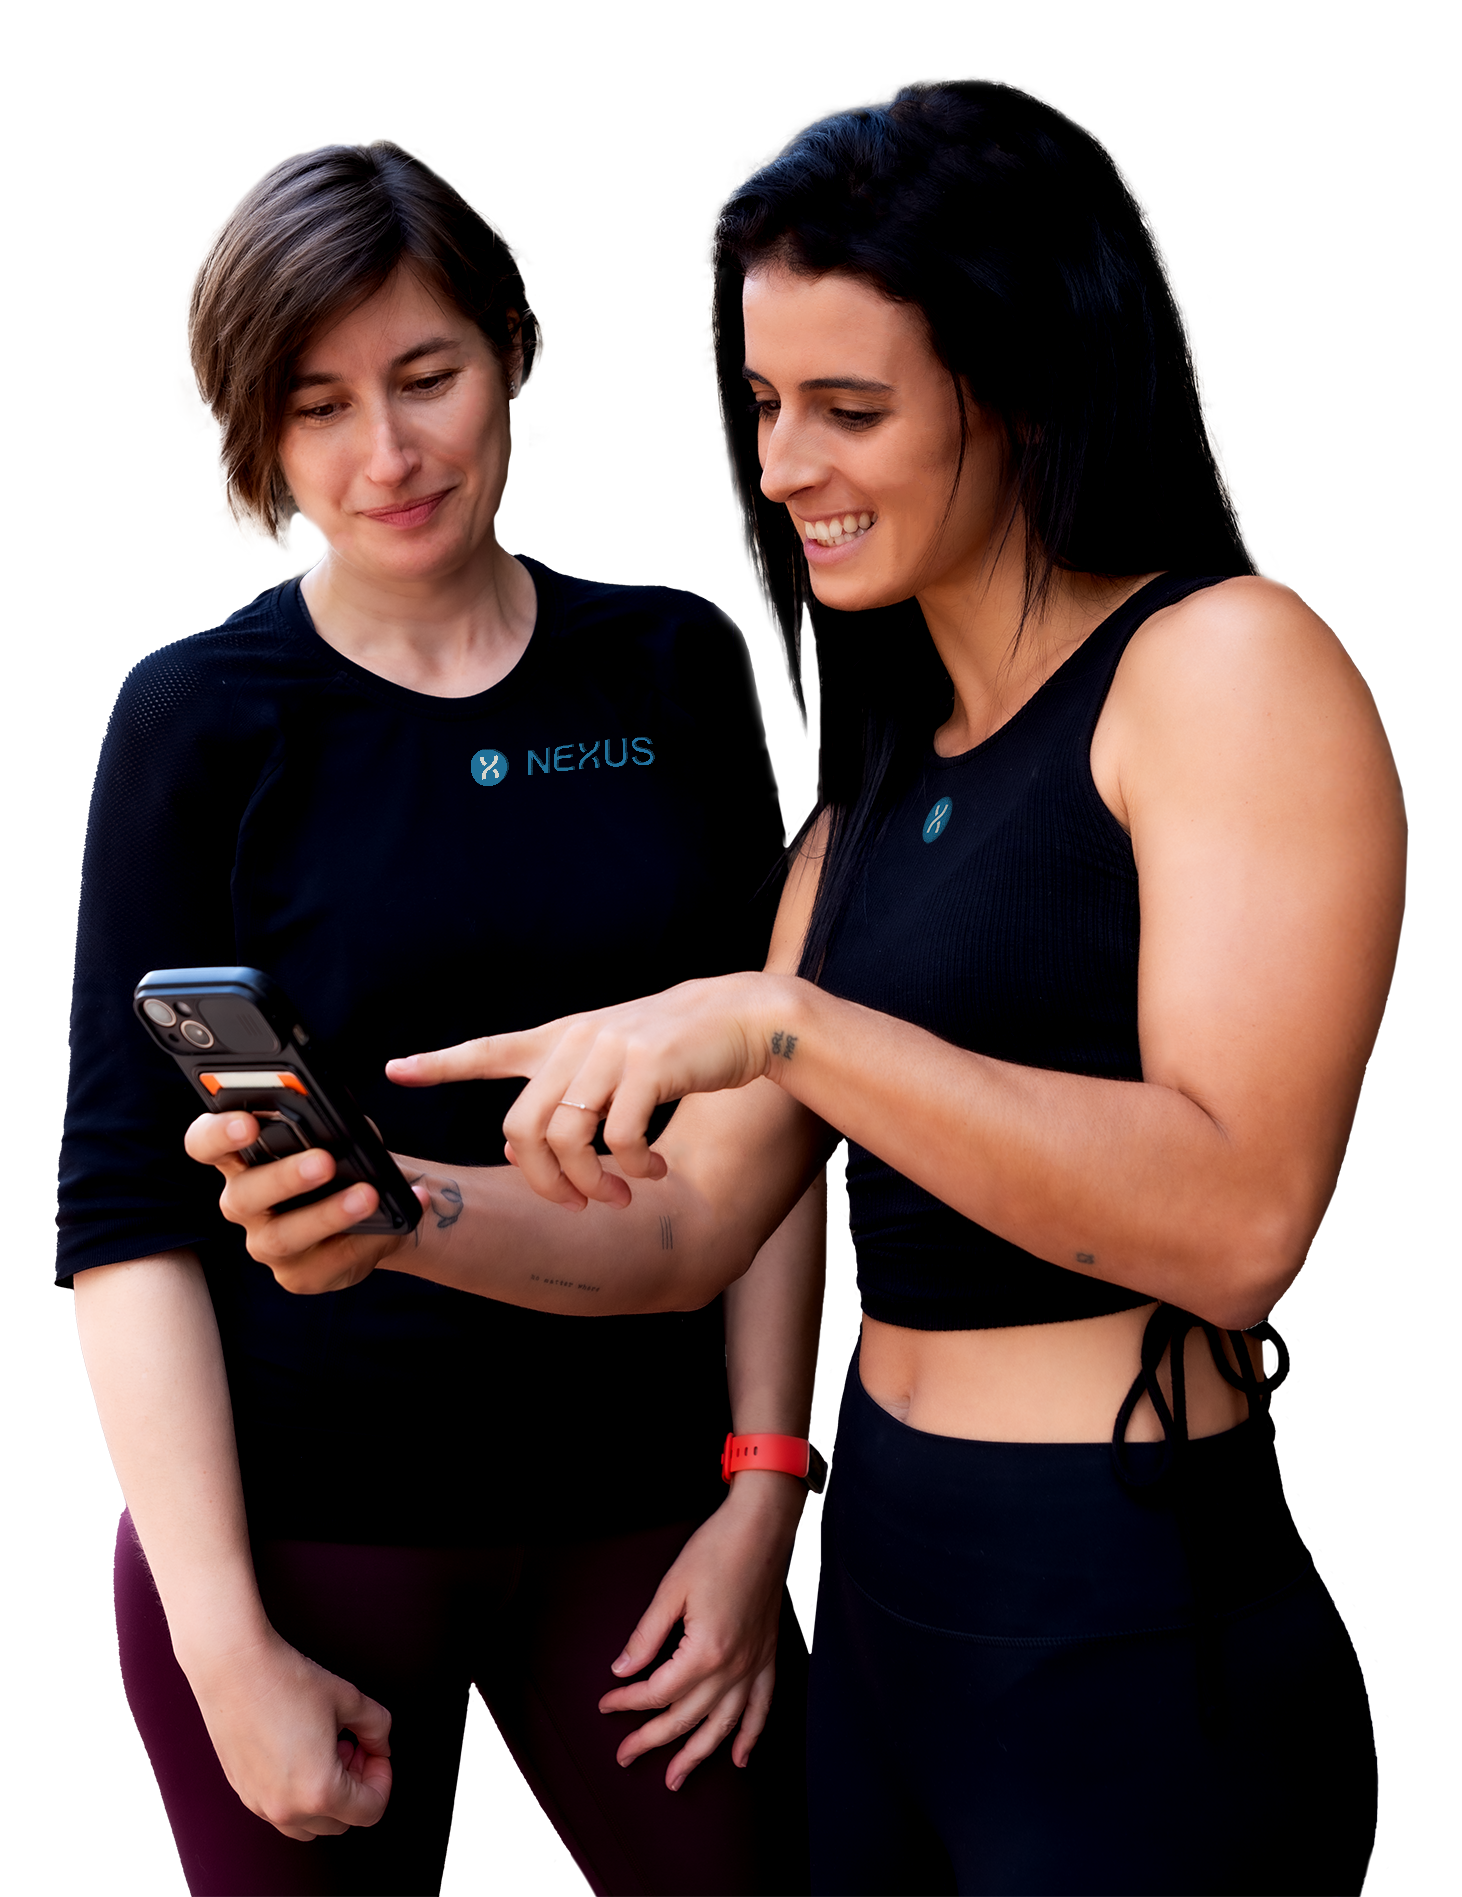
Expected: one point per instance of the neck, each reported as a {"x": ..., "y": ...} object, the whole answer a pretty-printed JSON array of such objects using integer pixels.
[
  {"x": 974, "y": 612},
  {"x": 448, "y": 636}
]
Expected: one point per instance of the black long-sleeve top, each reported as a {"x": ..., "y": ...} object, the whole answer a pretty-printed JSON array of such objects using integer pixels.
[{"x": 415, "y": 871}]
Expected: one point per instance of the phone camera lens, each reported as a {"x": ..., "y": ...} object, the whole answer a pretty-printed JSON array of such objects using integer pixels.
[
  {"x": 195, "y": 1032},
  {"x": 160, "y": 1012}
]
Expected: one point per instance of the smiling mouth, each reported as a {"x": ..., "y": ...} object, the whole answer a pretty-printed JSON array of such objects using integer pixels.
[
  {"x": 407, "y": 513},
  {"x": 837, "y": 529}
]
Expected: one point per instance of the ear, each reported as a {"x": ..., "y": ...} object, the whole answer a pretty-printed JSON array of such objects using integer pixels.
[{"x": 512, "y": 355}]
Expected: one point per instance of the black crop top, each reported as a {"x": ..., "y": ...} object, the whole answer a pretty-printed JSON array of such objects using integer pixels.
[{"x": 1000, "y": 912}]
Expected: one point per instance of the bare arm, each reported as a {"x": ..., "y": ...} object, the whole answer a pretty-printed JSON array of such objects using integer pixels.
[
  {"x": 687, "y": 1236},
  {"x": 726, "y": 1585},
  {"x": 150, "y": 1341},
  {"x": 773, "y": 1316},
  {"x": 1244, "y": 754},
  {"x": 152, "y": 1351}
]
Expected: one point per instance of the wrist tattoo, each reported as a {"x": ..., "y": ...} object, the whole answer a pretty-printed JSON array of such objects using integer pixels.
[
  {"x": 784, "y": 1044},
  {"x": 1086, "y": 1258},
  {"x": 446, "y": 1204}
]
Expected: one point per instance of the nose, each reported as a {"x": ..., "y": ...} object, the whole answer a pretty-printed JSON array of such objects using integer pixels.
[
  {"x": 790, "y": 463},
  {"x": 391, "y": 456}
]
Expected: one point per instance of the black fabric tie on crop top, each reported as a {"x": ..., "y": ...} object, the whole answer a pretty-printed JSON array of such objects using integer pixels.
[{"x": 1000, "y": 912}]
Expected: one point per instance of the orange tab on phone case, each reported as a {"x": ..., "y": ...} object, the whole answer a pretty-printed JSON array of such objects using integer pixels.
[{"x": 254, "y": 1082}]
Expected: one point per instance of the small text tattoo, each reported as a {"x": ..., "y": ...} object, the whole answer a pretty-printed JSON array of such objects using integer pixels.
[
  {"x": 1086, "y": 1258},
  {"x": 784, "y": 1044},
  {"x": 564, "y": 1284},
  {"x": 667, "y": 1234}
]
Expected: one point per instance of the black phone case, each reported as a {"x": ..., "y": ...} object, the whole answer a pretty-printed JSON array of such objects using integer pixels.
[{"x": 237, "y": 1038}]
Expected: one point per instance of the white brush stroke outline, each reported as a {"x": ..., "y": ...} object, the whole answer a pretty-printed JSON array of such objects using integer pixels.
[
  {"x": 793, "y": 755},
  {"x": 296, "y": 128}
]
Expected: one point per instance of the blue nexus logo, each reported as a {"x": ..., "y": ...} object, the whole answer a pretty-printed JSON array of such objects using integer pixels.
[
  {"x": 937, "y": 821},
  {"x": 489, "y": 767}
]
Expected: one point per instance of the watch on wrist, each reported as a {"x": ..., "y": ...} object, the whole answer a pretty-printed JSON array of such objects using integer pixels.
[{"x": 781, "y": 1455}]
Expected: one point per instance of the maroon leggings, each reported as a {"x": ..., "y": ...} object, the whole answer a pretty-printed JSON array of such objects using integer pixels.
[{"x": 534, "y": 1628}]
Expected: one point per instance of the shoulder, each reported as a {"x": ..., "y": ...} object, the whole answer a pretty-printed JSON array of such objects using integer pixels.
[
  {"x": 1242, "y": 638},
  {"x": 1246, "y": 649},
  {"x": 679, "y": 641},
  {"x": 1240, "y": 683},
  {"x": 196, "y": 678},
  {"x": 601, "y": 609}
]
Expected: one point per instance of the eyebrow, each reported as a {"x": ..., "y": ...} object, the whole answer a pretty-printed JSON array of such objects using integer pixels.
[
  {"x": 430, "y": 347},
  {"x": 861, "y": 384}
]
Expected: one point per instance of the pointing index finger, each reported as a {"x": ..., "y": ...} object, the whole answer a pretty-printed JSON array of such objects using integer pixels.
[{"x": 494, "y": 1057}]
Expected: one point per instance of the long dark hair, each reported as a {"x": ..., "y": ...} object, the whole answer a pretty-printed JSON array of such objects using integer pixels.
[{"x": 1011, "y": 229}]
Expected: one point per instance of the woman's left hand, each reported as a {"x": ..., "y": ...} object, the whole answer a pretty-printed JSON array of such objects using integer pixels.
[
  {"x": 726, "y": 1586},
  {"x": 616, "y": 1065}
]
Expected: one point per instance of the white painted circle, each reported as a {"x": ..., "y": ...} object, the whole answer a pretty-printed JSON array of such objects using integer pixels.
[{"x": 1334, "y": 336}]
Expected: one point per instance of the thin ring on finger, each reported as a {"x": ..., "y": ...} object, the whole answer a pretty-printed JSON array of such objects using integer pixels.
[{"x": 579, "y": 1107}]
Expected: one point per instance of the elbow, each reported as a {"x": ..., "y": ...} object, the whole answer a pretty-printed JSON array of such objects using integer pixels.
[
  {"x": 1260, "y": 1259},
  {"x": 702, "y": 1265}
]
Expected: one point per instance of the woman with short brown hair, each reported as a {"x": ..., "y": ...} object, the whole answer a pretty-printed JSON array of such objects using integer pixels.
[{"x": 342, "y": 1513}]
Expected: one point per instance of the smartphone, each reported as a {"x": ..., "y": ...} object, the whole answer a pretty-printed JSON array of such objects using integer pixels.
[{"x": 237, "y": 1038}]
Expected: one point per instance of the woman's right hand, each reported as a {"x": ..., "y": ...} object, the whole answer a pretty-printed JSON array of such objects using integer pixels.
[
  {"x": 275, "y": 1719},
  {"x": 309, "y": 1250}
]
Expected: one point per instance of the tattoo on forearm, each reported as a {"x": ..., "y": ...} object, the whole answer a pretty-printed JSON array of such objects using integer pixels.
[
  {"x": 784, "y": 1044},
  {"x": 563, "y": 1284},
  {"x": 446, "y": 1203},
  {"x": 667, "y": 1234},
  {"x": 1086, "y": 1258}
]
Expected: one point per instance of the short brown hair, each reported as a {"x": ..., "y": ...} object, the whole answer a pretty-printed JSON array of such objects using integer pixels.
[{"x": 313, "y": 240}]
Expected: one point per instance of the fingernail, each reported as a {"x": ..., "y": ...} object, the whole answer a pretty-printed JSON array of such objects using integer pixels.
[
  {"x": 312, "y": 1167},
  {"x": 676, "y": 1783},
  {"x": 621, "y": 1665},
  {"x": 402, "y": 1065},
  {"x": 237, "y": 1129},
  {"x": 355, "y": 1202}
]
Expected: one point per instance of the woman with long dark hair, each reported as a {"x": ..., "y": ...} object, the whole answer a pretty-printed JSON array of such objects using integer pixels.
[{"x": 1084, "y": 950}]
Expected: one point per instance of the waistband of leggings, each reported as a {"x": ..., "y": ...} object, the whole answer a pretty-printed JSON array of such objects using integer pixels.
[{"x": 1044, "y": 1541}]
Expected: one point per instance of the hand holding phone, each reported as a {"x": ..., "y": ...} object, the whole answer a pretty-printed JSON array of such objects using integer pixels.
[
  {"x": 235, "y": 1035},
  {"x": 316, "y": 1247}
]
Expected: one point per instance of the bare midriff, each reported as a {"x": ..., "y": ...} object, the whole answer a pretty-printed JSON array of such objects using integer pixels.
[{"x": 1038, "y": 1383}]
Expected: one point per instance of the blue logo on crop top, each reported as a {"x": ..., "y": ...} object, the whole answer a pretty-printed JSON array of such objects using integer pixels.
[
  {"x": 937, "y": 822},
  {"x": 489, "y": 767}
]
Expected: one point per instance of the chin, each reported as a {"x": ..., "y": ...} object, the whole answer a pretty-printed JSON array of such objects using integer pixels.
[{"x": 856, "y": 593}]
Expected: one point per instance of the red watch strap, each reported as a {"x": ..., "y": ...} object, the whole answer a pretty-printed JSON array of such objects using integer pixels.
[{"x": 784, "y": 1455}]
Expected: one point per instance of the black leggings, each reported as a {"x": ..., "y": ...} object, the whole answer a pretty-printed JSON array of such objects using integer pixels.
[
  {"x": 1018, "y": 1688},
  {"x": 535, "y": 1629}
]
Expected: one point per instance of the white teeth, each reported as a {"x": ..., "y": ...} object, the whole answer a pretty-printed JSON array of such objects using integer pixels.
[{"x": 837, "y": 528}]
